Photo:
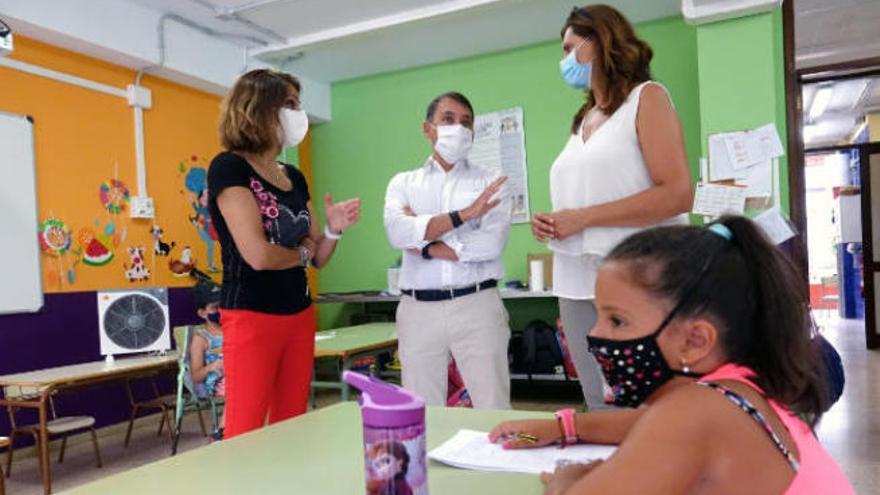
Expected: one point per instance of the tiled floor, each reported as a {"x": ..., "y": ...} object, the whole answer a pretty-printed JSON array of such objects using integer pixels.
[
  {"x": 79, "y": 462},
  {"x": 850, "y": 431}
]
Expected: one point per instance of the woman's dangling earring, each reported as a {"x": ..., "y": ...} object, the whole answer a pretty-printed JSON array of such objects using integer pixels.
[{"x": 684, "y": 367}]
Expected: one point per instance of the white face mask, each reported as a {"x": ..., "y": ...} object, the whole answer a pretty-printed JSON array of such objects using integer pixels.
[
  {"x": 294, "y": 126},
  {"x": 453, "y": 142}
]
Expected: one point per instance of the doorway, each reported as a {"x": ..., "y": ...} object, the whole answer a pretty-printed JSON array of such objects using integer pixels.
[
  {"x": 833, "y": 117},
  {"x": 832, "y": 181},
  {"x": 840, "y": 116}
]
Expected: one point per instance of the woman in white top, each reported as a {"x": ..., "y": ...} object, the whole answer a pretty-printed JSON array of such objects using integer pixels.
[{"x": 624, "y": 168}]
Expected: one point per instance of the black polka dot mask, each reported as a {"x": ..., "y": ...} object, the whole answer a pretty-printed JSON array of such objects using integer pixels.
[{"x": 633, "y": 368}]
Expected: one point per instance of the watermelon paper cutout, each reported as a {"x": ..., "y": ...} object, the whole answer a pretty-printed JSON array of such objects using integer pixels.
[{"x": 97, "y": 253}]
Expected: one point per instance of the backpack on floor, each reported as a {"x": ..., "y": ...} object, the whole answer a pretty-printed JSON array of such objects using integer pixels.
[
  {"x": 834, "y": 372},
  {"x": 570, "y": 370},
  {"x": 536, "y": 350},
  {"x": 833, "y": 368}
]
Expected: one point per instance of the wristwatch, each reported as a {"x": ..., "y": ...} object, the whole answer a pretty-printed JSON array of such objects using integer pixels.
[
  {"x": 566, "y": 426},
  {"x": 455, "y": 217},
  {"x": 426, "y": 254}
]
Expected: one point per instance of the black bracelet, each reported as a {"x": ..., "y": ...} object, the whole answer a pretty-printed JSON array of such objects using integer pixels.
[
  {"x": 425, "y": 253},
  {"x": 456, "y": 219}
]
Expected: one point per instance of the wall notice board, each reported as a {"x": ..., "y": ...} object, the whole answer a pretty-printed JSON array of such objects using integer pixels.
[
  {"x": 500, "y": 145},
  {"x": 20, "y": 279}
]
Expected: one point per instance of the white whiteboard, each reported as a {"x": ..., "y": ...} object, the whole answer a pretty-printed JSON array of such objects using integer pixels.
[{"x": 20, "y": 278}]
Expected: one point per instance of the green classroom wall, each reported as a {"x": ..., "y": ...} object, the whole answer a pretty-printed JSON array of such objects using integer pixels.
[
  {"x": 376, "y": 132},
  {"x": 741, "y": 79}
]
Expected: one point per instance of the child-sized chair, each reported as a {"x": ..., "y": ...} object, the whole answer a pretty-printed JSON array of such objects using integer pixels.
[
  {"x": 190, "y": 396},
  {"x": 158, "y": 402},
  {"x": 57, "y": 426}
]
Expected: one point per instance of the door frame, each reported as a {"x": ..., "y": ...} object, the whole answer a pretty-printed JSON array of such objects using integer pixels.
[
  {"x": 794, "y": 82},
  {"x": 869, "y": 266},
  {"x": 872, "y": 338}
]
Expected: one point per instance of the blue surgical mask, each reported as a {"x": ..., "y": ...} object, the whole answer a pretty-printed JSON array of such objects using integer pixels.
[{"x": 576, "y": 74}]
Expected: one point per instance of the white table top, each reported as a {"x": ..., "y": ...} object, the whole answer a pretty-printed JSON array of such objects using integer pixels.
[{"x": 37, "y": 379}]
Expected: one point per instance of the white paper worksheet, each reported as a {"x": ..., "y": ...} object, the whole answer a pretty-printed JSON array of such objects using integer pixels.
[{"x": 470, "y": 449}]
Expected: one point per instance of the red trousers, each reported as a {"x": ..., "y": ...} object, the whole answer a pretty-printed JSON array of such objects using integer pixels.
[{"x": 267, "y": 362}]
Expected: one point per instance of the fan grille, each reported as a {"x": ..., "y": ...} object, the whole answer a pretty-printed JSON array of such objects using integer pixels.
[{"x": 134, "y": 321}]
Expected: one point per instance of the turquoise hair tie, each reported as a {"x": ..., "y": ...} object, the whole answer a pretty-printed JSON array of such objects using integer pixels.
[{"x": 721, "y": 230}]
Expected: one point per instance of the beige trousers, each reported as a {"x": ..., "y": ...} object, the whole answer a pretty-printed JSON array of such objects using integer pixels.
[{"x": 474, "y": 329}]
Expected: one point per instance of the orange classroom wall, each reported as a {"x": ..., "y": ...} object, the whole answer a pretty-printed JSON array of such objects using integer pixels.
[{"x": 83, "y": 137}]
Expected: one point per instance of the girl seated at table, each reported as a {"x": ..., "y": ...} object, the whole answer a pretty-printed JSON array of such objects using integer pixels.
[{"x": 707, "y": 327}]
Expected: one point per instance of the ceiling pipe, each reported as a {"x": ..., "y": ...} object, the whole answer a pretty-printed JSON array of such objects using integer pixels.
[
  {"x": 375, "y": 24},
  {"x": 232, "y": 14},
  {"x": 231, "y": 11},
  {"x": 139, "y": 98}
]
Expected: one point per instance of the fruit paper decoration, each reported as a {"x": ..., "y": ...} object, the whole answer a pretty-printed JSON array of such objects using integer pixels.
[
  {"x": 55, "y": 237},
  {"x": 97, "y": 250}
]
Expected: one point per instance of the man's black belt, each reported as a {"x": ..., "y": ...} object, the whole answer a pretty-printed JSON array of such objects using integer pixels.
[{"x": 432, "y": 295}]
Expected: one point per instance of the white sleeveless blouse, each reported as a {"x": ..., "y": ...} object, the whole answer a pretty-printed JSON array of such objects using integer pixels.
[{"x": 607, "y": 167}]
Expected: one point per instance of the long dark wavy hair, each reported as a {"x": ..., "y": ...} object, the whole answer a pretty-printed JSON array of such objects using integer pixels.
[
  {"x": 749, "y": 289},
  {"x": 623, "y": 59}
]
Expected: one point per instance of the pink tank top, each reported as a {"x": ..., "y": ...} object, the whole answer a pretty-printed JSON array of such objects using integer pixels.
[{"x": 817, "y": 473}]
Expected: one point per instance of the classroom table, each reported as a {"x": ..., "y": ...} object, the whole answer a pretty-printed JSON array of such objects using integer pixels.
[
  {"x": 320, "y": 452},
  {"x": 32, "y": 389},
  {"x": 348, "y": 344}
]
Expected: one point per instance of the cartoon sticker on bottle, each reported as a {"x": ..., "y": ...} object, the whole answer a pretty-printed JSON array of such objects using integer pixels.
[{"x": 395, "y": 461}]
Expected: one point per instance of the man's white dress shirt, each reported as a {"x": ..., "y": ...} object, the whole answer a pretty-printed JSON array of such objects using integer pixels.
[{"x": 429, "y": 191}]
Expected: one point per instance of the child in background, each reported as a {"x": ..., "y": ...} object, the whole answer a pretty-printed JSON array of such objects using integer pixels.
[
  {"x": 705, "y": 326},
  {"x": 206, "y": 349}
]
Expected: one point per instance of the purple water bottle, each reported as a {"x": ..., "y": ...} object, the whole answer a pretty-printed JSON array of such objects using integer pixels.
[{"x": 394, "y": 437}]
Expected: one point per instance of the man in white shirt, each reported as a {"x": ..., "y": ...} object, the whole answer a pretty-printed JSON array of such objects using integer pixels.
[{"x": 451, "y": 219}]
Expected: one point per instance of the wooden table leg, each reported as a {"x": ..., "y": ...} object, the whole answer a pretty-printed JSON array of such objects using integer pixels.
[{"x": 44, "y": 444}]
